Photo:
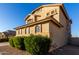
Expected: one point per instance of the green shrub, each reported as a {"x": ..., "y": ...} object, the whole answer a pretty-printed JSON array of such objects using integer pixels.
[
  {"x": 19, "y": 42},
  {"x": 37, "y": 44},
  {"x": 11, "y": 41}
]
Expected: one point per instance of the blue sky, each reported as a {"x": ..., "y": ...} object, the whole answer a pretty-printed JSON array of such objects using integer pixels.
[{"x": 12, "y": 15}]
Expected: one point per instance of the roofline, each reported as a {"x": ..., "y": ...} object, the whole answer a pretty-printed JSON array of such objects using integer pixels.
[
  {"x": 47, "y": 5},
  {"x": 42, "y": 21},
  {"x": 54, "y": 5}
]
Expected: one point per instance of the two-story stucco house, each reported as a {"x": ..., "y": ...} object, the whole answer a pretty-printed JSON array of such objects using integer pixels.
[{"x": 48, "y": 20}]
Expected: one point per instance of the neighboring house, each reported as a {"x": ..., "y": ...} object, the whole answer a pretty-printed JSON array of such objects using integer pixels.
[
  {"x": 7, "y": 34},
  {"x": 49, "y": 20},
  {"x": 2, "y": 35}
]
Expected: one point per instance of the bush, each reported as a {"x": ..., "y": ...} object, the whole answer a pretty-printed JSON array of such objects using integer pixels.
[
  {"x": 11, "y": 41},
  {"x": 37, "y": 44},
  {"x": 19, "y": 42},
  {"x": 4, "y": 40},
  {"x": 34, "y": 44}
]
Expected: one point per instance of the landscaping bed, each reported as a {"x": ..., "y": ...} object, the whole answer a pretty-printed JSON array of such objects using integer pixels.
[{"x": 8, "y": 50}]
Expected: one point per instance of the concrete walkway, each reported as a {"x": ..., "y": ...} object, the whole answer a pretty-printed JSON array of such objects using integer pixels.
[{"x": 4, "y": 43}]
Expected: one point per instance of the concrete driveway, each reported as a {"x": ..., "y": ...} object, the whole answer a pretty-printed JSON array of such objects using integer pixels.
[
  {"x": 67, "y": 50},
  {"x": 6, "y": 49}
]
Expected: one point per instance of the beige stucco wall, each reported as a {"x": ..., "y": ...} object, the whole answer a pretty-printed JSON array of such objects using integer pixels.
[
  {"x": 45, "y": 30},
  {"x": 46, "y": 10},
  {"x": 58, "y": 35},
  {"x": 66, "y": 23},
  {"x": 43, "y": 12}
]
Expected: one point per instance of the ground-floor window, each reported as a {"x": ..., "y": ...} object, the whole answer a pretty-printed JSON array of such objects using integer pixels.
[
  {"x": 37, "y": 28},
  {"x": 25, "y": 30},
  {"x": 28, "y": 30},
  {"x": 18, "y": 32}
]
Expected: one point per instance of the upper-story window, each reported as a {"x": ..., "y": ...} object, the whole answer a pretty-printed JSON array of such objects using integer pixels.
[
  {"x": 48, "y": 14},
  {"x": 37, "y": 28},
  {"x": 37, "y": 17},
  {"x": 52, "y": 12},
  {"x": 30, "y": 21}
]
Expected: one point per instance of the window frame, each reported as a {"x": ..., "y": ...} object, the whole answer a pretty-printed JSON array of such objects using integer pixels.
[
  {"x": 30, "y": 21},
  {"x": 20, "y": 31},
  {"x": 38, "y": 28},
  {"x": 28, "y": 30},
  {"x": 25, "y": 30}
]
